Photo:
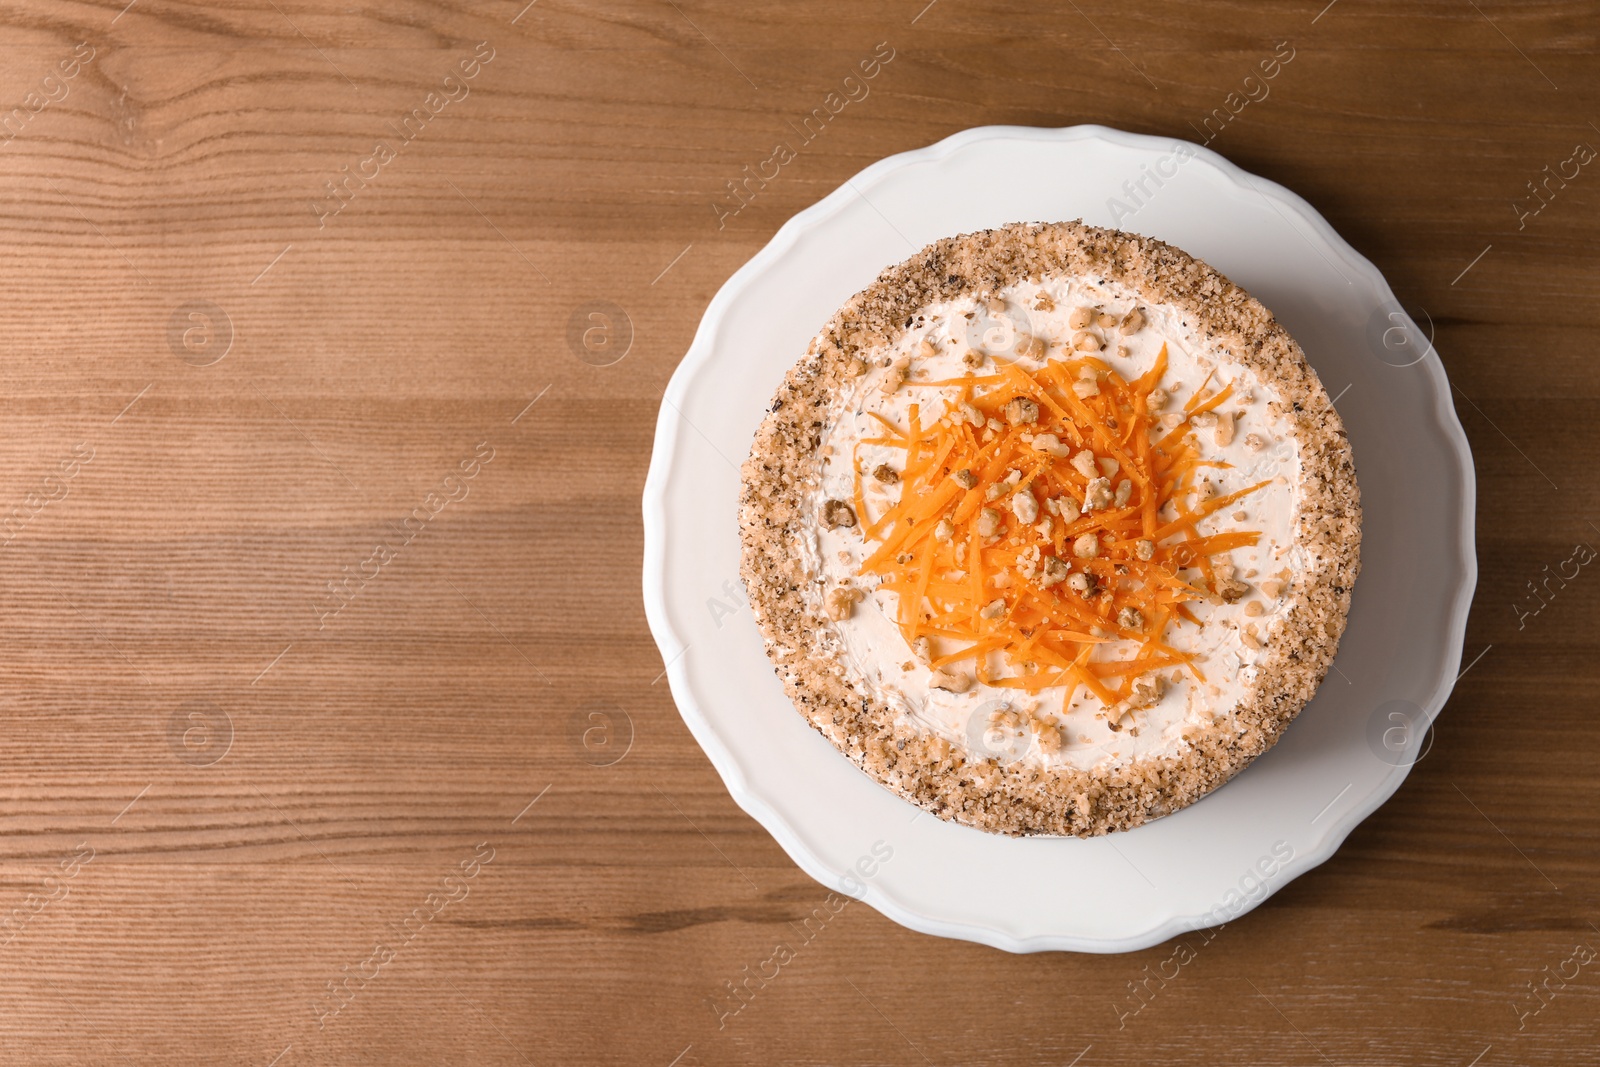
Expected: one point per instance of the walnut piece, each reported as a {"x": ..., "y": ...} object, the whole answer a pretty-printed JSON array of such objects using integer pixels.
[
  {"x": 950, "y": 681},
  {"x": 840, "y": 602},
  {"x": 1232, "y": 590},
  {"x": 1224, "y": 429},
  {"x": 1097, "y": 497},
  {"x": 1051, "y": 445},
  {"x": 896, "y": 375},
  {"x": 836, "y": 513},
  {"x": 1020, "y": 411}
]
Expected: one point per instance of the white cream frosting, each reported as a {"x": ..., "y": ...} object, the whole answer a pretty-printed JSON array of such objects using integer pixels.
[{"x": 1001, "y": 721}]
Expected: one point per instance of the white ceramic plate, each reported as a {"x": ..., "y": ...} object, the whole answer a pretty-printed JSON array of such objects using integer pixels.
[{"x": 1345, "y": 755}]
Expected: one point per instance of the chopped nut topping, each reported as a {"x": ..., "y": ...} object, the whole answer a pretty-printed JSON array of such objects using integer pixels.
[
  {"x": 1205, "y": 420},
  {"x": 1255, "y": 607},
  {"x": 1030, "y": 346},
  {"x": 1232, "y": 589},
  {"x": 965, "y": 478},
  {"x": 841, "y": 601},
  {"x": 1020, "y": 411},
  {"x": 995, "y": 304},
  {"x": 1172, "y": 420},
  {"x": 1130, "y": 619},
  {"x": 1224, "y": 429},
  {"x": 885, "y": 474},
  {"x": 926, "y": 350},
  {"x": 944, "y": 530},
  {"x": 1025, "y": 507},
  {"x": 1080, "y": 318},
  {"x": 950, "y": 681},
  {"x": 1069, "y": 509},
  {"x": 1087, "y": 546},
  {"x": 1081, "y": 583},
  {"x": 836, "y": 513},
  {"x": 1146, "y": 693},
  {"x": 1132, "y": 322},
  {"x": 974, "y": 358},
  {"x": 898, "y": 372},
  {"x": 856, "y": 367},
  {"x": 1050, "y": 444},
  {"x": 1084, "y": 388},
  {"x": 988, "y": 522},
  {"x": 1253, "y": 442},
  {"x": 1156, "y": 400},
  {"x": 1124, "y": 492},
  {"x": 1105, "y": 320},
  {"x": 1044, "y": 302},
  {"x": 1083, "y": 463},
  {"x": 1108, "y": 466},
  {"x": 1097, "y": 497},
  {"x": 1144, "y": 549},
  {"x": 1087, "y": 341},
  {"x": 1055, "y": 570},
  {"x": 993, "y": 609},
  {"x": 1272, "y": 588},
  {"x": 922, "y": 649}
]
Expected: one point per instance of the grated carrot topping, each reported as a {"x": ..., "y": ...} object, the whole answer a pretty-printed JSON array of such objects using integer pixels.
[{"x": 944, "y": 545}]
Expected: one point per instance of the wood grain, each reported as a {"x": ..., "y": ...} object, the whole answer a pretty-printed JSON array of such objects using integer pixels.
[{"x": 219, "y": 797}]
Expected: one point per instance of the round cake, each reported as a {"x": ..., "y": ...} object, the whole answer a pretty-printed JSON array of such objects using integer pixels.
[{"x": 1052, "y": 530}]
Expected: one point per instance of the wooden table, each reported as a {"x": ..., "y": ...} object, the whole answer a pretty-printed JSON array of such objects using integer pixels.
[{"x": 332, "y": 729}]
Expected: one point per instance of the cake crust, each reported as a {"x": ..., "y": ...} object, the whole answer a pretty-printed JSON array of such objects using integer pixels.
[{"x": 1024, "y": 798}]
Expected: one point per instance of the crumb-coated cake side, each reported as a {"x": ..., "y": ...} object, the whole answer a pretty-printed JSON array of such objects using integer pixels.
[{"x": 1052, "y": 530}]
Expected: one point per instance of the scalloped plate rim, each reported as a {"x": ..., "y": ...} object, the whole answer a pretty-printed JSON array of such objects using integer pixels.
[{"x": 672, "y": 648}]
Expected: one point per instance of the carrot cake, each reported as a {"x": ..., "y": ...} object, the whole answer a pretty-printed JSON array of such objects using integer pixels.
[{"x": 1052, "y": 530}]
